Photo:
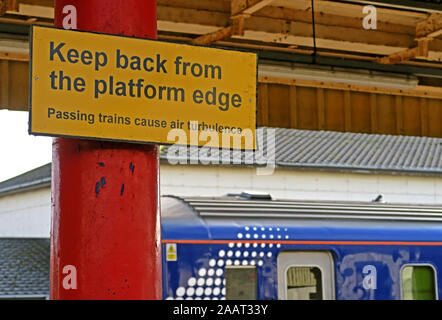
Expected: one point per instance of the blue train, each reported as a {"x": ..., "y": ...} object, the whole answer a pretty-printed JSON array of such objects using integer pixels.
[{"x": 249, "y": 246}]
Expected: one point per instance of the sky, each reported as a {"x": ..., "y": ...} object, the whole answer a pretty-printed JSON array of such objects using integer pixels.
[{"x": 19, "y": 151}]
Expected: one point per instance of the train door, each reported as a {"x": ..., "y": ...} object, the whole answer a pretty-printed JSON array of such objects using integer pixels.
[{"x": 305, "y": 275}]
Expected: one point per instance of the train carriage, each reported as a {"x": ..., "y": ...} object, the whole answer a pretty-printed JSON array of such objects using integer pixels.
[{"x": 252, "y": 247}]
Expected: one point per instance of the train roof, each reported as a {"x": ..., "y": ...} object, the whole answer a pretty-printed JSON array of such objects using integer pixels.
[{"x": 227, "y": 217}]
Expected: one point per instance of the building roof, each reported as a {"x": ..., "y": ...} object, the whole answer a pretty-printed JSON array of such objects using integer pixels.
[
  {"x": 302, "y": 149},
  {"x": 342, "y": 151},
  {"x": 358, "y": 151},
  {"x": 35, "y": 178},
  {"x": 24, "y": 268}
]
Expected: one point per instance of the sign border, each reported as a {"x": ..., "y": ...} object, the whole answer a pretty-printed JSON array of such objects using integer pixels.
[{"x": 31, "y": 47}]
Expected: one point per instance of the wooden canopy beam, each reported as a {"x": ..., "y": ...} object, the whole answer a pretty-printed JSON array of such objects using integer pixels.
[
  {"x": 212, "y": 37},
  {"x": 426, "y": 31},
  {"x": 247, "y": 7},
  {"x": 8, "y": 5},
  {"x": 399, "y": 56},
  {"x": 431, "y": 27},
  {"x": 239, "y": 11}
]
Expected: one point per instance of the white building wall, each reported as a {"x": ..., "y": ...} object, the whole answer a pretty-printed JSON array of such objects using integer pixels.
[
  {"x": 28, "y": 214},
  {"x": 302, "y": 185}
]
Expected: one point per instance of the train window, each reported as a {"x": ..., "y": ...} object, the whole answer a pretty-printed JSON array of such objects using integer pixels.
[
  {"x": 304, "y": 283},
  {"x": 305, "y": 275},
  {"x": 241, "y": 283},
  {"x": 418, "y": 282}
]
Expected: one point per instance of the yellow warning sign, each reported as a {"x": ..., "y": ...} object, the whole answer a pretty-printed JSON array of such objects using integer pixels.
[
  {"x": 111, "y": 87},
  {"x": 171, "y": 252}
]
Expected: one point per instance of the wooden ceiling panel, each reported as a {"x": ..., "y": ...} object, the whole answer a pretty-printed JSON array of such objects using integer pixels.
[{"x": 280, "y": 24}]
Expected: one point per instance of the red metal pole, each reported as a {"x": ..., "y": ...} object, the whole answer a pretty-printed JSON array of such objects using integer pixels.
[{"x": 105, "y": 238}]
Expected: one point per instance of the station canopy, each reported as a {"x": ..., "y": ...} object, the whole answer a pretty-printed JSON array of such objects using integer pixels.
[{"x": 406, "y": 32}]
